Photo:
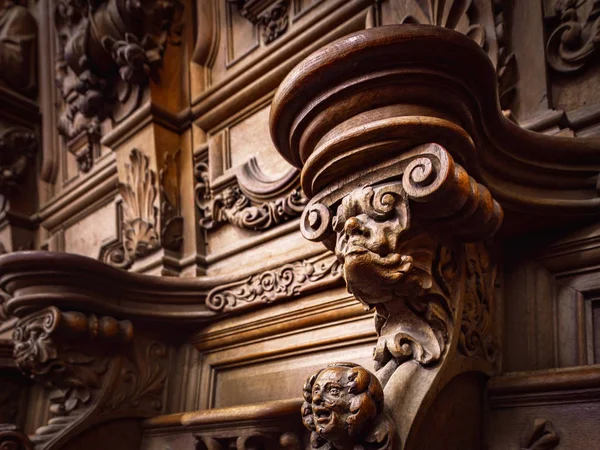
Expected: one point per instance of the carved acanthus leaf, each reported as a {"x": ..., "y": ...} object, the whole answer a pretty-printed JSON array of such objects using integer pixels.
[
  {"x": 274, "y": 21},
  {"x": 17, "y": 148},
  {"x": 272, "y": 285},
  {"x": 575, "y": 40},
  {"x": 477, "y": 335},
  {"x": 140, "y": 237},
  {"x": 232, "y": 206}
]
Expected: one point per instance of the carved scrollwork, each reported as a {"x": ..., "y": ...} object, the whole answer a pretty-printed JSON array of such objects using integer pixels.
[
  {"x": 232, "y": 206},
  {"x": 140, "y": 236},
  {"x": 17, "y": 148},
  {"x": 12, "y": 438},
  {"x": 343, "y": 408},
  {"x": 575, "y": 39},
  {"x": 277, "y": 284},
  {"x": 93, "y": 366},
  {"x": 477, "y": 337}
]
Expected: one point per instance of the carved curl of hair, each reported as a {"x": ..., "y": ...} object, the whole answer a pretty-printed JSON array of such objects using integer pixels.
[{"x": 364, "y": 407}]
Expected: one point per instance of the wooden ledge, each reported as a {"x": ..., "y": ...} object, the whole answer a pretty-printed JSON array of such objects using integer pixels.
[
  {"x": 565, "y": 385},
  {"x": 229, "y": 415}
]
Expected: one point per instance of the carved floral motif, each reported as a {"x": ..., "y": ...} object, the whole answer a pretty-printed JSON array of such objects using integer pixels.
[
  {"x": 108, "y": 52},
  {"x": 232, "y": 206},
  {"x": 274, "y": 21},
  {"x": 140, "y": 237},
  {"x": 343, "y": 407},
  {"x": 284, "y": 282},
  {"x": 575, "y": 39},
  {"x": 477, "y": 337}
]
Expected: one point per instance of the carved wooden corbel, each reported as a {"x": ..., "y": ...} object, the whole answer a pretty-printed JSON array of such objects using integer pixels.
[
  {"x": 95, "y": 368},
  {"x": 410, "y": 165}
]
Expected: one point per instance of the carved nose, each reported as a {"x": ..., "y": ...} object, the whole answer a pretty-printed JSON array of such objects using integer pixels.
[
  {"x": 353, "y": 227},
  {"x": 317, "y": 398}
]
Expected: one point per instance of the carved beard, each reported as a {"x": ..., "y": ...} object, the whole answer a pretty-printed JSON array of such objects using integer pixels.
[{"x": 374, "y": 278}]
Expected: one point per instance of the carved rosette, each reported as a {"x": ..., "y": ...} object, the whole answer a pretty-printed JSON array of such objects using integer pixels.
[{"x": 93, "y": 366}]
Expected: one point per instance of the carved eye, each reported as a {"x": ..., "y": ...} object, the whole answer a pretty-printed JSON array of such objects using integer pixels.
[{"x": 334, "y": 391}]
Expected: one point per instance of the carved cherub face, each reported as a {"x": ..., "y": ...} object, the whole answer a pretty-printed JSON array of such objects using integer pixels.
[
  {"x": 340, "y": 402},
  {"x": 370, "y": 223},
  {"x": 331, "y": 403}
]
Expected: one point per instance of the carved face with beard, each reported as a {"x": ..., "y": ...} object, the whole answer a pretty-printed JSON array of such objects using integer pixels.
[{"x": 369, "y": 224}]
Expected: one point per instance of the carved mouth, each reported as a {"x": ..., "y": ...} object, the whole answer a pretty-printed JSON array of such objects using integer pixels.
[
  {"x": 354, "y": 250},
  {"x": 323, "y": 415}
]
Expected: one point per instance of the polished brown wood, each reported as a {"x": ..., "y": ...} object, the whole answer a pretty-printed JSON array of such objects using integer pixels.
[{"x": 211, "y": 208}]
